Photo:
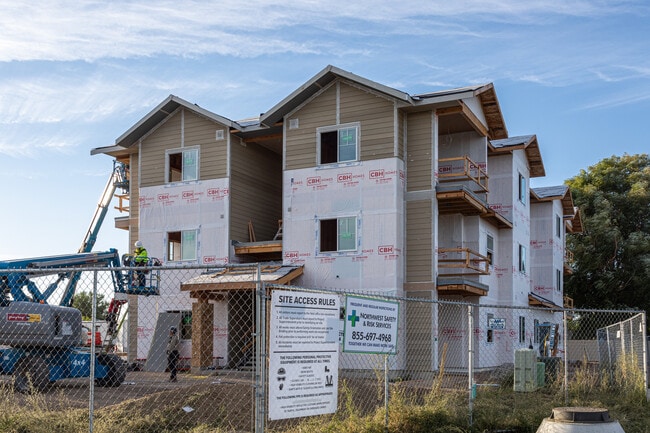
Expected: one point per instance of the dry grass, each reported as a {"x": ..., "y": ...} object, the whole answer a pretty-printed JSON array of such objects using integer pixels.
[{"x": 414, "y": 406}]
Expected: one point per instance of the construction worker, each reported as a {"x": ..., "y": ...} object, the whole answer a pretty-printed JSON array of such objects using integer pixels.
[
  {"x": 141, "y": 258},
  {"x": 172, "y": 353}
]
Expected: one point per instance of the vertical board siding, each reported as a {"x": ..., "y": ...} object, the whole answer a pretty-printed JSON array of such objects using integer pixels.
[
  {"x": 255, "y": 191},
  {"x": 420, "y": 152},
  {"x": 377, "y": 118},
  {"x": 419, "y": 241},
  {"x": 300, "y": 143}
]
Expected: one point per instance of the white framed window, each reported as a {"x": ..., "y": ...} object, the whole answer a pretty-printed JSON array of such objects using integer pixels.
[
  {"x": 182, "y": 245},
  {"x": 182, "y": 165},
  {"x": 522, "y": 329},
  {"x": 490, "y": 249},
  {"x": 522, "y": 259},
  {"x": 338, "y": 234},
  {"x": 522, "y": 188},
  {"x": 338, "y": 143}
]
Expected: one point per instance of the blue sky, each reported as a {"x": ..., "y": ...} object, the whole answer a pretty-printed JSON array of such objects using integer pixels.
[{"x": 76, "y": 75}]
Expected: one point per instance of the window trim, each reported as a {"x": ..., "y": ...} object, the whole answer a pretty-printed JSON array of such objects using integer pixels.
[
  {"x": 324, "y": 129},
  {"x": 523, "y": 187},
  {"x": 182, "y": 151},
  {"x": 338, "y": 219},
  {"x": 522, "y": 259},
  {"x": 181, "y": 232},
  {"x": 489, "y": 251}
]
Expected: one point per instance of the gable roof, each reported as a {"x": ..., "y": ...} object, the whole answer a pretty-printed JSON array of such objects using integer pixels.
[
  {"x": 315, "y": 84},
  {"x": 496, "y": 126},
  {"x": 526, "y": 142},
  {"x": 563, "y": 193},
  {"x": 153, "y": 118}
]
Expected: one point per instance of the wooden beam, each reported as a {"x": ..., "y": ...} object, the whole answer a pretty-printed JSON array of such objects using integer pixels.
[{"x": 473, "y": 120}]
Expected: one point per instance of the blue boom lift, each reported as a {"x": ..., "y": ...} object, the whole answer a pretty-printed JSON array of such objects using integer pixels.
[{"x": 41, "y": 342}]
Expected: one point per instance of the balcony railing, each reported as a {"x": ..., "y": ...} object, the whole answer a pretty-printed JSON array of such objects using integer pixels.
[
  {"x": 568, "y": 256},
  {"x": 568, "y": 302},
  {"x": 460, "y": 169},
  {"x": 462, "y": 261}
]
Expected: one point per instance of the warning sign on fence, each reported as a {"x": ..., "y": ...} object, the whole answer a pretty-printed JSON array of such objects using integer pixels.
[
  {"x": 370, "y": 325},
  {"x": 304, "y": 354}
]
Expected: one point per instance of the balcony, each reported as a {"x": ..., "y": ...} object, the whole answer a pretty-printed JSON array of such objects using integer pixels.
[
  {"x": 568, "y": 262},
  {"x": 456, "y": 267},
  {"x": 463, "y": 169},
  {"x": 453, "y": 262},
  {"x": 462, "y": 188}
]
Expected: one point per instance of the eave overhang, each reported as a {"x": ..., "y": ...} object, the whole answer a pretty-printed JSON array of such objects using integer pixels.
[{"x": 529, "y": 144}]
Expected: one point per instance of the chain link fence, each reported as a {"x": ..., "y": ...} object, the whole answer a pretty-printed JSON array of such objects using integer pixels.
[{"x": 106, "y": 363}]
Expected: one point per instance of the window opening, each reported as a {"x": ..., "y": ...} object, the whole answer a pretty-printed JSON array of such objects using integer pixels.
[
  {"x": 522, "y": 329},
  {"x": 522, "y": 188},
  {"x": 490, "y": 331},
  {"x": 339, "y": 144},
  {"x": 183, "y": 165},
  {"x": 181, "y": 245},
  {"x": 338, "y": 234},
  {"x": 490, "y": 250},
  {"x": 522, "y": 259},
  {"x": 558, "y": 226}
]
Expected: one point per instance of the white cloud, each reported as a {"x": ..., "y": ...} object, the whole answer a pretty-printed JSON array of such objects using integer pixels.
[{"x": 91, "y": 30}]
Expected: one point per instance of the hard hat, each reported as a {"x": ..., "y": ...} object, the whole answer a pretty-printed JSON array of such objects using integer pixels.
[{"x": 138, "y": 244}]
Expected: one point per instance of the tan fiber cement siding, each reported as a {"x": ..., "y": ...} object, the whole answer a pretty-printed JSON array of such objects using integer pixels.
[
  {"x": 301, "y": 142},
  {"x": 152, "y": 151},
  {"x": 198, "y": 131},
  {"x": 255, "y": 191},
  {"x": 419, "y": 317},
  {"x": 377, "y": 118},
  {"x": 401, "y": 126},
  {"x": 420, "y": 148},
  {"x": 419, "y": 241}
]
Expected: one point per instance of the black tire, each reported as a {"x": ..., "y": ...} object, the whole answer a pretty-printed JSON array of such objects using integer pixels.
[
  {"x": 31, "y": 375},
  {"x": 116, "y": 371}
]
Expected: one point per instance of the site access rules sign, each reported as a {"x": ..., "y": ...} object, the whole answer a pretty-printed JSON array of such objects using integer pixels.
[
  {"x": 304, "y": 354},
  {"x": 370, "y": 325}
]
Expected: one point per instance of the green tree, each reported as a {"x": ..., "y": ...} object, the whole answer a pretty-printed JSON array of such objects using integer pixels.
[
  {"x": 612, "y": 254},
  {"x": 83, "y": 301}
]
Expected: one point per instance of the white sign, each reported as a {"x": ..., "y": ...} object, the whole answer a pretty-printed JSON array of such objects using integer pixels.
[
  {"x": 494, "y": 323},
  {"x": 370, "y": 325},
  {"x": 304, "y": 354}
]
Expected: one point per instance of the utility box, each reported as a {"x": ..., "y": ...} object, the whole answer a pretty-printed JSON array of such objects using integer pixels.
[{"x": 525, "y": 370}]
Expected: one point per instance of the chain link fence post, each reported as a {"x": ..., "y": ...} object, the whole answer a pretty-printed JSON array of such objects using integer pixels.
[
  {"x": 260, "y": 347},
  {"x": 470, "y": 360},
  {"x": 93, "y": 348}
]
